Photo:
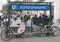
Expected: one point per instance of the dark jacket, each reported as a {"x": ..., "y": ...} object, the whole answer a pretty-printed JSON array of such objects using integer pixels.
[
  {"x": 40, "y": 19},
  {"x": 35, "y": 20},
  {"x": 45, "y": 20}
]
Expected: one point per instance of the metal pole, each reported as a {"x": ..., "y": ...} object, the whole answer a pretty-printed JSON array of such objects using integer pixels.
[
  {"x": 8, "y": 14},
  {"x": 50, "y": 9}
]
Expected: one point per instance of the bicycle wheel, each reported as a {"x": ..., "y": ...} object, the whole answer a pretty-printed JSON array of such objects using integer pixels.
[
  {"x": 44, "y": 32},
  {"x": 6, "y": 35},
  {"x": 24, "y": 35},
  {"x": 55, "y": 30}
]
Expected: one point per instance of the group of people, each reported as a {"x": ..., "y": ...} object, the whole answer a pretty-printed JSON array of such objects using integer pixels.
[
  {"x": 42, "y": 19},
  {"x": 26, "y": 17}
]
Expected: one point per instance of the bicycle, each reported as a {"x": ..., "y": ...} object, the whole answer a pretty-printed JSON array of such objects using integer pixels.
[
  {"x": 8, "y": 33},
  {"x": 45, "y": 29},
  {"x": 52, "y": 30}
]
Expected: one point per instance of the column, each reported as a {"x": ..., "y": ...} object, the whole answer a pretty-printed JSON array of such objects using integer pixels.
[{"x": 56, "y": 10}]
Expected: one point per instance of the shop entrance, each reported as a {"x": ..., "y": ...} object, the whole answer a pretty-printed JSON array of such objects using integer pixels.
[
  {"x": 29, "y": 19},
  {"x": 25, "y": 12}
]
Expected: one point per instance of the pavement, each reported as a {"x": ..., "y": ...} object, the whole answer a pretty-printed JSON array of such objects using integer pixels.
[
  {"x": 36, "y": 39},
  {"x": 57, "y": 24}
]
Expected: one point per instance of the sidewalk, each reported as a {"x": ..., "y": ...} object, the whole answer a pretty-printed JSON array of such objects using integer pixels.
[{"x": 57, "y": 24}]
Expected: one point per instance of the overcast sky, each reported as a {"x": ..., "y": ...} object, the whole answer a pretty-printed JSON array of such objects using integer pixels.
[{"x": 2, "y": 2}]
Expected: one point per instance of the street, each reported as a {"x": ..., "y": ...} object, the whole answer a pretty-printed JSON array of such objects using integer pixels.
[
  {"x": 36, "y": 39},
  {"x": 29, "y": 21}
]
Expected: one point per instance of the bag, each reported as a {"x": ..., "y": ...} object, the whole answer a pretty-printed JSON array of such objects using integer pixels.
[
  {"x": 22, "y": 28},
  {"x": 29, "y": 23}
]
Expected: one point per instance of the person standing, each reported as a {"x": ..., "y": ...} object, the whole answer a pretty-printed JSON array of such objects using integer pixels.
[{"x": 25, "y": 19}]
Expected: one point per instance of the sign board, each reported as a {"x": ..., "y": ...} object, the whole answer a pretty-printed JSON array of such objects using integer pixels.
[{"x": 30, "y": 6}]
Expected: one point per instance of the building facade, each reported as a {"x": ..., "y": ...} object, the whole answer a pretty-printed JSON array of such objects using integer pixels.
[
  {"x": 27, "y": 0},
  {"x": 54, "y": 10}
]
